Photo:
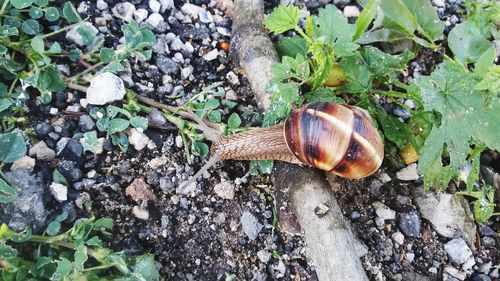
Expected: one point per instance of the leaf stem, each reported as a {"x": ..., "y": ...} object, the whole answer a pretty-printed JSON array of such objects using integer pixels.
[
  {"x": 301, "y": 33},
  {"x": 4, "y": 6}
]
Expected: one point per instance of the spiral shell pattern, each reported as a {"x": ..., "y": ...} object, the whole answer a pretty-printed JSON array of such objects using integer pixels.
[{"x": 337, "y": 138}]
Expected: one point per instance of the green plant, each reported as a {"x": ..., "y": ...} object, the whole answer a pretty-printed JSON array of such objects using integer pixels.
[
  {"x": 12, "y": 147},
  {"x": 452, "y": 98},
  {"x": 76, "y": 254}
]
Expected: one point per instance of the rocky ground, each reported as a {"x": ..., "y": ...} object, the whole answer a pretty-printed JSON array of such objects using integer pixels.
[{"x": 223, "y": 227}]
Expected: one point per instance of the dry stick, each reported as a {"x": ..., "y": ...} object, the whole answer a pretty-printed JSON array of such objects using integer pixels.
[{"x": 329, "y": 237}]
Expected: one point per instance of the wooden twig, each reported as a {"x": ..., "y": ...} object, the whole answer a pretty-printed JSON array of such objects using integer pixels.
[{"x": 329, "y": 237}]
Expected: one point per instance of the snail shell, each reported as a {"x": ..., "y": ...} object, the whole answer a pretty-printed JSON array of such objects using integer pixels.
[{"x": 336, "y": 138}]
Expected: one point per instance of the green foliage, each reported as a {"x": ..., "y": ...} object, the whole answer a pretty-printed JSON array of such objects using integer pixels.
[
  {"x": 452, "y": 98},
  {"x": 76, "y": 254},
  {"x": 412, "y": 19},
  {"x": 283, "y": 19}
]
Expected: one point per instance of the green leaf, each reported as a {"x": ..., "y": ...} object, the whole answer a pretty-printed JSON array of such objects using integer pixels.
[
  {"x": 467, "y": 43},
  {"x": 397, "y": 16},
  {"x": 200, "y": 148},
  {"x": 234, "y": 121},
  {"x": 427, "y": 19},
  {"x": 102, "y": 124},
  {"x": 117, "y": 125},
  {"x": 107, "y": 55},
  {"x": 87, "y": 33},
  {"x": 297, "y": 68},
  {"x": 20, "y": 237},
  {"x": 74, "y": 54},
  {"x": 365, "y": 18},
  {"x": 80, "y": 257},
  {"x": 139, "y": 122},
  {"x": 31, "y": 27},
  {"x": 292, "y": 46},
  {"x": 7, "y": 193},
  {"x": 381, "y": 35},
  {"x": 12, "y": 147},
  {"x": 21, "y": 4},
  {"x": 331, "y": 25},
  {"x": 394, "y": 130},
  {"x": 113, "y": 67},
  {"x": 282, "y": 19},
  {"x": 323, "y": 94},
  {"x": 52, "y": 14},
  {"x": 450, "y": 91},
  {"x": 64, "y": 267},
  {"x": 215, "y": 116},
  {"x": 6, "y": 250},
  {"x": 90, "y": 142},
  {"x": 6, "y": 31},
  {"x": 485, "y": 61},
  {"x": 357, "y": 74},
  {"x": 491, "y": 80},
  {"x": 94, "y": 241},
  {"x": 145, "y": 266},
  {"x": 121, "y": 140},
  {"x": 53, "y": 228},
  {"x": 55, "y": 48},
  {"x": 50, "y": 79},
  {"x": 261, "y": 166},
  {"x": 35, "y": 12},
  {"x": 57, "y": 177},
  {"x": 283, "y": 97},
  {"x": 383, "y": 65},
  {"x": 70, "y": 13},
  {"x": 114, "y": 110},
  {"x": 97, "y": 113},
  {"x": 41, "y": 3},
  {"x": 212, "y": 104},
  {"x": 37, "y": 44},
  {"x": 5, "y": 104},
  {"x": 103, "y": 224}
]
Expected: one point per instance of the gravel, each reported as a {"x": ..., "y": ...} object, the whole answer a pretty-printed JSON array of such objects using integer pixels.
[
  {"x": 225, "y": 190},
  {"x": 59, "y": 191},
  {"x": 137, "y": 139},
  {"x": 408, "y": 174},
  {"x": 409, "y": 224}
]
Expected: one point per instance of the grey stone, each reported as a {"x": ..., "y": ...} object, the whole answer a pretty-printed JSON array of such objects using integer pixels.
[
  {"x": 250, "y": 225},
  {"x": 212, "y": 55},
  {"x": 155, "y": 20},
  {"x": 351, "y": 12},
  {"x": 449, "y": 215},
  {"x": 140, "y": 213},
  {"x": 101, "y": 5},
  {"x": 140, "y": 15},
  {"x": 450, "y": 273},
  {"x": 42, "y": 152},
  {"x": 264, "y": 256},
  {"x": 28, "y": 210},
  {"x": 154, "y": 5},
  {"x": 176, "y": 44},
  {"x": 409, "y": 223},
  {"x": 86, "y": 123},
  {"x": 480, "y": 277},
  {"x": 383, "y": 211},
  {"x": 408, "y": 173},
  {"x": 398, "y": 238},
  {"x": 206, "y": 17},
  {"x": 191, "y": 10},
  {"x": 105, "y": 88},
  {"x": 457, "y": 250},
  {"x": 156, "y": 118},
  {"x": 187, "y": 71},
  {"x": 167, "y": 65},
  {"x": 24, "y": 162}
]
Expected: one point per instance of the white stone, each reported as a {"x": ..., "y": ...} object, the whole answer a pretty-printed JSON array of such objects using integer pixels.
[
  {"x": 178, "y": 141},
  {"x": 24, "y": 162},
  {"x": 384, "y": 178},
  {"x": 101, "y": 5},
  {"x": 140, "y": 213},
  {"x": 410, "y": 257},
  {"x": 138, "y": 139},
  {"x": 439, "y": 3},
  {"x": 155, "y": 6},
  {"x": 225, "y": 190},
  {"x": 398, "y": 237},
  {"x": 188, "y": 47},
  {"x": 59, "y": 191},
  {"x": 124, "y": 11},
  {"x": 191, "y": 10},
  {"x": 351, "y": 12},
  {"x": 206, "y": 17},
  {"x": 53, "y": 111},
  {"x": 264, "y": 256},
  {"x": 154, "y": 20},
  {"x": 383, "y": 211},
  {"x": 232, "y": 78},
  {"x": 469, "y": 263},
  {"x": 140, "y": 15},
  {"x": 408, "y": 173},
  {"x": 105, "y": 88},
  {"x": 210, "y": 56},
  {"x": 186, "y": 71},
  {"x": 176, "y": 44},
  {"x": 166, "y": 5}
]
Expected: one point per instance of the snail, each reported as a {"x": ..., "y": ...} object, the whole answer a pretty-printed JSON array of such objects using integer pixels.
[{"x": 340, "y": 139}]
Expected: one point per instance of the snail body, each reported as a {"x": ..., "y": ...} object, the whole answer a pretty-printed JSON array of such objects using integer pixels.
[{"x": 340, "y": 139}]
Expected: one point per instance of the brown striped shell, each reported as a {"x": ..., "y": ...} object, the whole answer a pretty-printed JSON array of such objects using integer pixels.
[{"x": 335, "y": 138}]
